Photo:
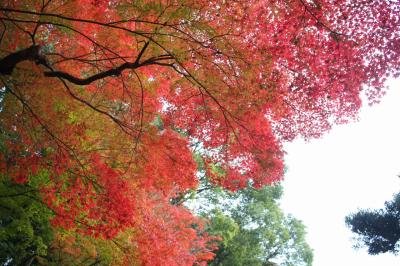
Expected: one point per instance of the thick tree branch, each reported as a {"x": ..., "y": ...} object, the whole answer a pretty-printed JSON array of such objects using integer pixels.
[
  {"x": 108, "y": 73},
  {"x": 85, "y": 81},
  {"x": 8, "y": 63}
]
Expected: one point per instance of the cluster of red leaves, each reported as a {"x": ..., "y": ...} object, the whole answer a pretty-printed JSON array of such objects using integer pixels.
[
  {"x": 169, "y": 166},
  {"x": 164, "y": 234},
  {"x": 18, "y": 159},
  {"x": 169, "y": 232}
]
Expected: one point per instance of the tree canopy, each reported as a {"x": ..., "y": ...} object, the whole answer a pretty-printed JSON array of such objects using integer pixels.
[
  {"x": 254, "y": 229},
  {"x": 25, "y": 230},
  {"x": 378, "y": 230},
  {"x": 112, "y": 98}
]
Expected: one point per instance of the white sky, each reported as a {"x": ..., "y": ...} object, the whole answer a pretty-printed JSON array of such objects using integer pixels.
[{"x": 353, "y": 166}]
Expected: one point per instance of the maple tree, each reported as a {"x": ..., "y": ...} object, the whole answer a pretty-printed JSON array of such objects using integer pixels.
[{"x": 110, "y": 99}]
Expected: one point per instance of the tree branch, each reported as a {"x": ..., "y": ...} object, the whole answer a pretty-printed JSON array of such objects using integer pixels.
[
  {"x": 141, "y": 52},
  {"x": 19, "y": 194},
  {"x": 8, "y": 63},
  {"x": 111, "y": 72}
]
